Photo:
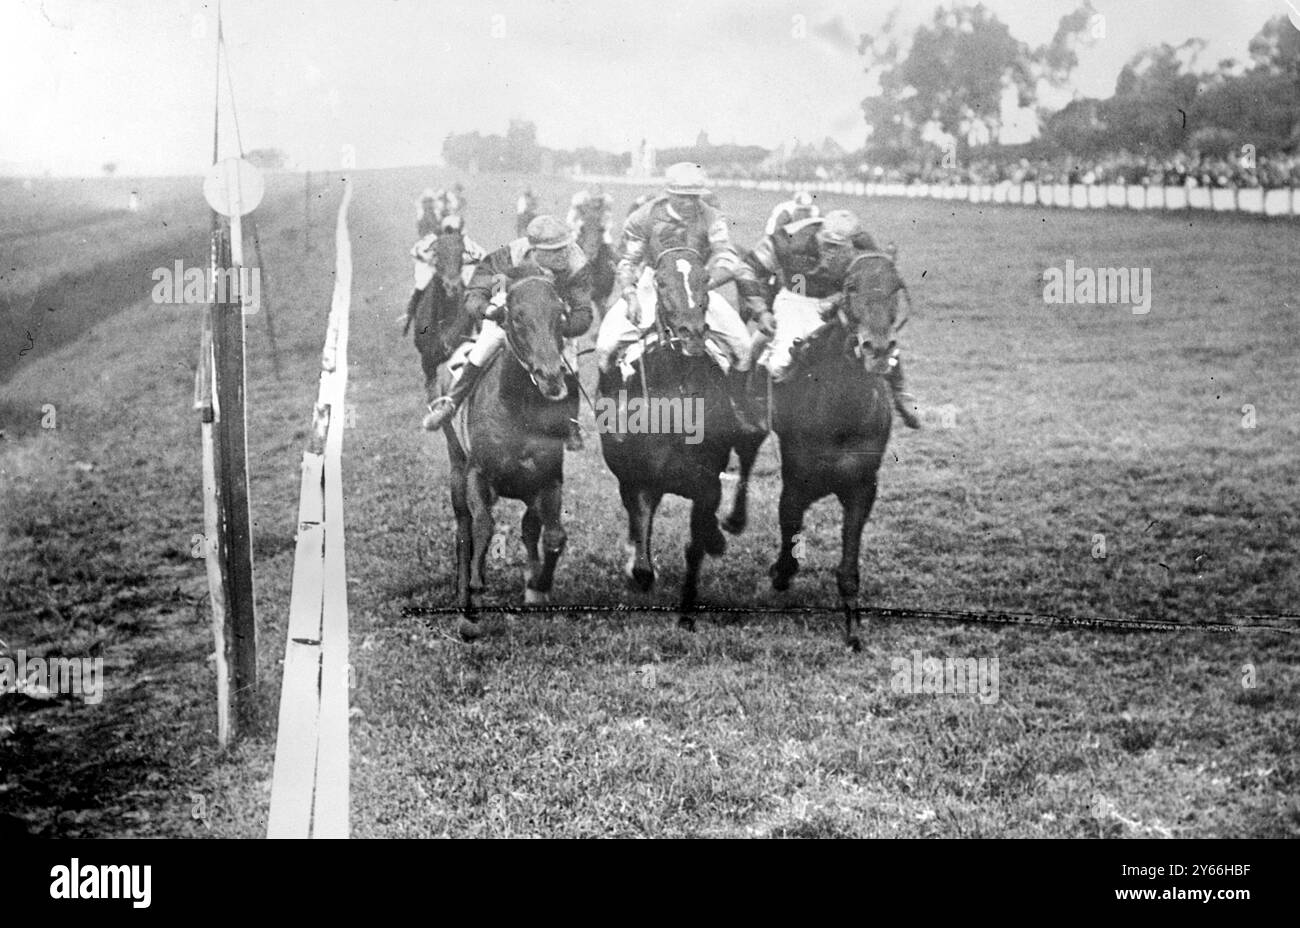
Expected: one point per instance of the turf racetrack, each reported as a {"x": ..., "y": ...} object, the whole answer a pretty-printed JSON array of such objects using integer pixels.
[{"x": 1062, "y": 423}]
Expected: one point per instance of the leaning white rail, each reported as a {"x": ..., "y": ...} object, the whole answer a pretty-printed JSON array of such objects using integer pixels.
[{"x": 310, "y": 783}]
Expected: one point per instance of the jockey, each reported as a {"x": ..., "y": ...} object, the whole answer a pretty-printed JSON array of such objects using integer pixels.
[
  {"x": 679, "y": 217},
  {"x": 422, "y": 253},
  {"x": 800, "y": 206},
  {"x": 639, "y": 202},
  {"x": 426, "y": 213},
  {"x": 809, "y": 260},
  {"x": 591, "y": 207},
  {"x": 549, "y": 247}
]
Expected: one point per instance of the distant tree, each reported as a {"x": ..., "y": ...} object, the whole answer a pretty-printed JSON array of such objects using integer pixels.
[
  {"x": 522, "y": 153},
  {"x": 954, "y": 74},
  {"x": 109, "y": 168},
  {"x": 956, "y": 71}
]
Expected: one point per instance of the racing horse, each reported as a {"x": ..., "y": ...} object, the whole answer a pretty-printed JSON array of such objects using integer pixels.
[
  {"x": 440, "y": 320},
  {"x": 650, "y": 462},
  {"x": 601, "y": 260},
  {"x": 833, "y": 418},
  {"x": 510, "y": 441}
]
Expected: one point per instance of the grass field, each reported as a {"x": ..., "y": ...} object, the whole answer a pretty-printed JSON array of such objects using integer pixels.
[{"x": 1067, "y": 422}]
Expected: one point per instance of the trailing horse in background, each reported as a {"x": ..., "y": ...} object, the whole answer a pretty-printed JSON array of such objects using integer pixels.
[
  {"x": 510, "y": 441},
  {"x": 601, "y": 259},
  {"x": 439, "y": 316},
  {"x": 833, "y": 418},
  {"x": 650, "y": 462}
]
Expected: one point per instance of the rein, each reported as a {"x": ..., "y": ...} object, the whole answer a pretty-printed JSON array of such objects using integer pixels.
[{"x": 509, "y": 332}]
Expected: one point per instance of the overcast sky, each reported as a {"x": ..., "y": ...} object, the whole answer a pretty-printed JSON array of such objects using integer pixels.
[{"x": 83, "y": 82}]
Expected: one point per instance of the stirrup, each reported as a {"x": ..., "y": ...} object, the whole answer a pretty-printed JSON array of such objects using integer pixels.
[{"x": 440, "y": 410}]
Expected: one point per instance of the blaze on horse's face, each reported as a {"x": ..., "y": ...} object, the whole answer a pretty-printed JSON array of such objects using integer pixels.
[
  {"x": 682, "y": 288},
  {"x": 534, "y": 312},
  {"x": 872, "y": 290}
]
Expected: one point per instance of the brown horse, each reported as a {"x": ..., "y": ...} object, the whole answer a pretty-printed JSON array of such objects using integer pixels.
[
  {"x": 438, "y": 314},
  {"x": 650, "y": 463},
  {"x": 833, "y": 418},
  {"x": 601, "y": 260},
  {"x": 517, "y": 419}
]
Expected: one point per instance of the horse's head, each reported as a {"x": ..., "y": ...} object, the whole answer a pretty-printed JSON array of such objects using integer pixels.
[
  {"x": 533, "y": 322},
  {"x": 591, "y": 235},
  {"x": 448, "y": 255},
  {"x": 872, "y": 289},
  {"x": 682, "y": 291}
]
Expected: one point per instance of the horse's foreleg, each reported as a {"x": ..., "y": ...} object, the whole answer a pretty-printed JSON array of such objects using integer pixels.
[
  {"x": 464, "y": 540},
  {"x": 746, "y": 453},
  {"x": 480, "y": 506},
  {"x": 857, "y": 506},
  {"x": 640, "y": 505},
  {"x": 553, "y": 539},
  {"x": 530, "y": 530},
  {"x": 790, "y": 515},
  {"x": 705, "y": 539}
]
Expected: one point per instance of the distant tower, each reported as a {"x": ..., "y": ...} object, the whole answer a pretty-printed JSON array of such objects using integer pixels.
[{"x": 702, "y": 140}]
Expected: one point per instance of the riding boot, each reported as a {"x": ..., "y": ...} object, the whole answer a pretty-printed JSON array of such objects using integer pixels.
[
  {"x": 444, "y": 407},
  {"x": 904, "y": 401},
  {"x": 574, "y": 442},
  {"x": 741, "y": 404}
]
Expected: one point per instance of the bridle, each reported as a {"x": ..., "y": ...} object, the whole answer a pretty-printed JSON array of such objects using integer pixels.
[
  {"x": 666, "y": 338},
  {"x": 859, "y": 346},
  {"x": 505, "y": 321}
]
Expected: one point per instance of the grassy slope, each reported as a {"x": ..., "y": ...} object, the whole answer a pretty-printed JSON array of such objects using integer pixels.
[{"x": 1070, "y": 421}]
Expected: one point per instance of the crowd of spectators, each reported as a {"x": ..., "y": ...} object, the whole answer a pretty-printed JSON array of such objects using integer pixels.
[{"x": 1181, "y": 170}]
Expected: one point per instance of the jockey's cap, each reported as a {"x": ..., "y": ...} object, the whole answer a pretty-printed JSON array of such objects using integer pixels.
[
  {"x": 427, "y": 196},
  {"x": 803, "y": 199},
  {"x": 548, "y": 233},
  {"x": 686, "y": 178},
  {"x": 839, "y": 227}
]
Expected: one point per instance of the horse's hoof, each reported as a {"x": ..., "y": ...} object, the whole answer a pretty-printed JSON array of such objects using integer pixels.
[
  {"x": 734, "y": 525},
  {"x": 686, "y": 623},
  {"x": 780, "y": 578},
  {"x": 641, "y": 580},
  {"x": 535, "y": 597},
  {"x": 715, "y": 543}
]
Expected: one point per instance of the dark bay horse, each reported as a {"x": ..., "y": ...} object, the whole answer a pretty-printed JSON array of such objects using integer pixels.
[
  {"x": 517, "y": 420},
  {"x": 833, "y": 418},
  {"x": 438, "y": 316},
  {"x": 676, "y": 369},
  {"x": 601, "y": 259}
]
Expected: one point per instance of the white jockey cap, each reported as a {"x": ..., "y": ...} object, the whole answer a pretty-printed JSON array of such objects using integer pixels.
[
  {"x": 427, "y": 195},
  {"x": 839, "y": 227},
  {"x": 803, "y": 199},
  {"x": 686, "y": 178}
]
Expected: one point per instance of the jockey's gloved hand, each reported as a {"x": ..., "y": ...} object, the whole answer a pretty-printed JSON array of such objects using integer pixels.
[
  {"x": 719, "y": 276},
  {"x": 829, "y": 306},
  {"x": 755, "y": 307},
  {"x": 496, "y": 306},
  {"x": 476, "y": 304},
  {"x": 767, "y": 323}
]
